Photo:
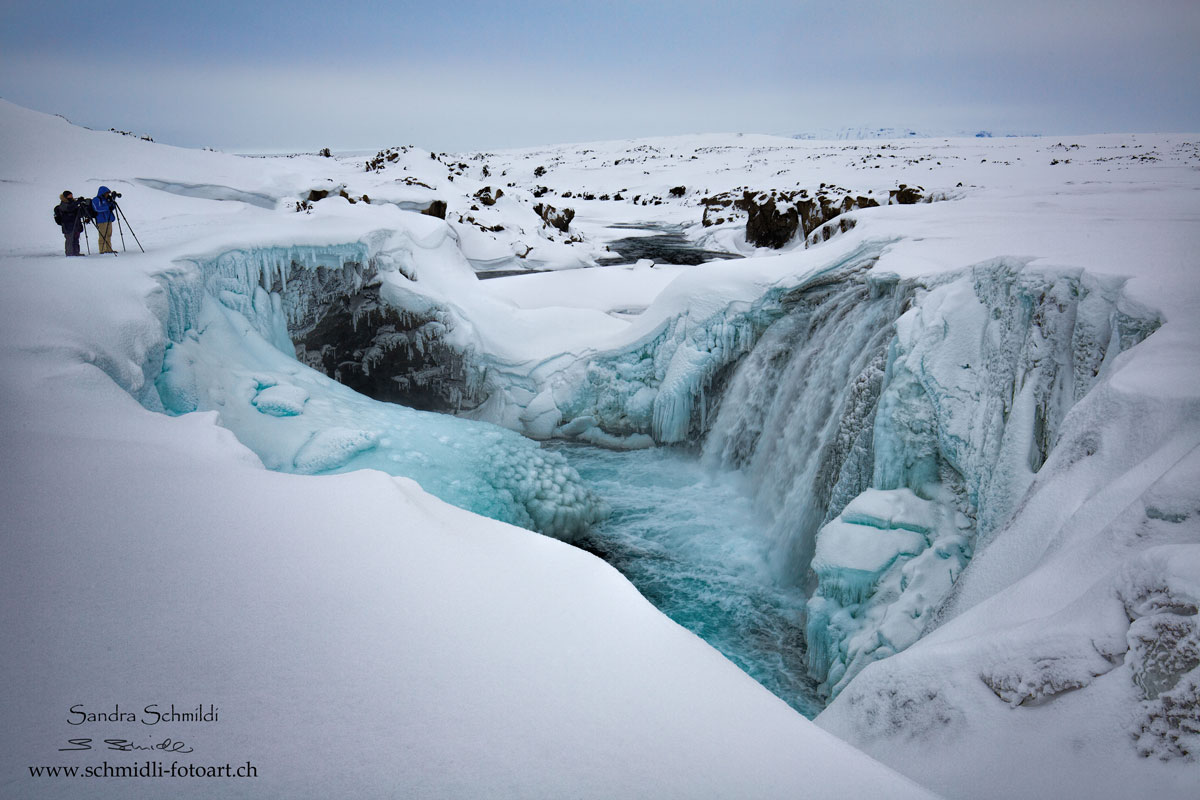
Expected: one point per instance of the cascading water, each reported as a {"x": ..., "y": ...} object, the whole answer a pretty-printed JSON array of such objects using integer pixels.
[
  {"x": 797, "y": 415},
  {"x": 886, "y": 426}
]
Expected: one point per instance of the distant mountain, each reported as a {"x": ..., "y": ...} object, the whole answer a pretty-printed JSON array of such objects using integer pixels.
[{"x": 899, "y": 133}]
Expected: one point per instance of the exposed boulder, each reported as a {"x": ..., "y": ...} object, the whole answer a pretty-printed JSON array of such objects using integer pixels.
[
  {"x": 907, "y": 195},
  {"x": 553, "y": 217},
  {"x": 436, "y": 209},
  {"x": 320, "y": 194},
  {"x": 486, "y": 197},
  {"x": 770, "y": 223}
]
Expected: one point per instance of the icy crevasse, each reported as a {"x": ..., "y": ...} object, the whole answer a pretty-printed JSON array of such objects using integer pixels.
[{"x": 230, "y": 319}]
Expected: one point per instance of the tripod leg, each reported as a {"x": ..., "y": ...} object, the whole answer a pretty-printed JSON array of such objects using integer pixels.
[
  {"x": 121, "y": 212},
  {"x": 121, "y": 230}
]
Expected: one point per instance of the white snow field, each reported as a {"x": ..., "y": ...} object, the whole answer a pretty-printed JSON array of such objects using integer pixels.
[{"x": 970, "y": 427}]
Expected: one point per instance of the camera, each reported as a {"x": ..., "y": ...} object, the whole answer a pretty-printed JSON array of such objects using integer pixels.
[{"x": 113, "y": 195}]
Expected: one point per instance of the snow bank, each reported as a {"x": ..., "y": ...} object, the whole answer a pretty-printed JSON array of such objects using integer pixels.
[{"x": 1069, "y": 625}]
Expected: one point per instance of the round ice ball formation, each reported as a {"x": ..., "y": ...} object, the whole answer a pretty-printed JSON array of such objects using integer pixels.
[{"x": 548, "y": 494}]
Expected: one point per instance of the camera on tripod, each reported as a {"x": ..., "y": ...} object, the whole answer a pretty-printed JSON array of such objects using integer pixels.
[{"x": 112, "y": 195}]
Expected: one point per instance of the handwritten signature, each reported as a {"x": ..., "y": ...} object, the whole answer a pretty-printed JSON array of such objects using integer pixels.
[{"x": 126, "y": 746}]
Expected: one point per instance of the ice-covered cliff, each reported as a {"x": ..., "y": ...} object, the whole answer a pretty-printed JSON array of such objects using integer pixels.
[{"x": 232, "y": 319}]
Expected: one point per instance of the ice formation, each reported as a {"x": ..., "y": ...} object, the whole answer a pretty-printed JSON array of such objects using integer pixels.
[
  {"x": 847, "y": 405},
  {"x": 230, "y": 321},
  {"x": 797, "y": 414},
  {"x": 841, "y": 392},
  {"x": 663, "y": 387},
  {"x": 883, "y": 567},
  {"x": 945, "y": 395}
]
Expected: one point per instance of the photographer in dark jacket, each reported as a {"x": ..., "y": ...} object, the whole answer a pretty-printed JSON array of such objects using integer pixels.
[{"x": 69, "y": 216}]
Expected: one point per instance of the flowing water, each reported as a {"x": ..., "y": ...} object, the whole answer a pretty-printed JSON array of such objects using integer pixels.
[
  {"x": 691, "y": 541},
  {"x": 662, "y": 244}
]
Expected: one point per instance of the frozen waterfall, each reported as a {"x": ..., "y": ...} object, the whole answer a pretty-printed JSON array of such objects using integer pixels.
[
  {"x": 888, "y": 427},
  {"x": 797, "y": 414}
]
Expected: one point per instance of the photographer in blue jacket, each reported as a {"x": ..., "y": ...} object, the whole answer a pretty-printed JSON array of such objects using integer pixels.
[{"x": 103, "y": 206}]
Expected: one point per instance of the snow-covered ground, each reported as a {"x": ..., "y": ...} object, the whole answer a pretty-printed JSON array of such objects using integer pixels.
[{"x": 996, "y": 397}]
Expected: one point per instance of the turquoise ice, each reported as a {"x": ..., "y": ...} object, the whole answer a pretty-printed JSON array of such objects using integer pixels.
[{"x": 230, "y": 352}]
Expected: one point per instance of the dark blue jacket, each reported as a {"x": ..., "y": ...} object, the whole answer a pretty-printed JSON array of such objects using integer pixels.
[{"x": 104, "y": 211}]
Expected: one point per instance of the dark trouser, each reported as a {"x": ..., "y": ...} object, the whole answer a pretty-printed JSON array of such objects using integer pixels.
[{"x": 72, "y": 237}]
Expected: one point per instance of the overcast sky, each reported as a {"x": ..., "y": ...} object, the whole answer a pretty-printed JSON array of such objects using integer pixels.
[{"x": 273, "y": 75}]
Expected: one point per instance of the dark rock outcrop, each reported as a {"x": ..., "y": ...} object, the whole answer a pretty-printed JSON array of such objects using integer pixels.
[
  {"x": 769, "y": 223},
  {"x": 907, "y": 195},
  {"x": 385, "y": 157},
  {"x": 389, "y": 355},
  {"x": 486, "y": 197},
  {"x": 553, "y": 217},
  {"x": 775, "y": 218}
]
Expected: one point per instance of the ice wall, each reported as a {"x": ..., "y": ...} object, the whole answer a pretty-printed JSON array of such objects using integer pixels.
[
  {"x": 229, "y": 321},
  {"x": 665, "y": 387},
  {"x": 981, "y": 374},
  {"x": 938, "y": 401},
  {"x": 280, "y": 291},
  {"x": 657, "y": 391}
]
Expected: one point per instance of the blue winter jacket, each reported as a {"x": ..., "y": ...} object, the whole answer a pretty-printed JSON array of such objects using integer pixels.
[{"x": 104, "y": 211}]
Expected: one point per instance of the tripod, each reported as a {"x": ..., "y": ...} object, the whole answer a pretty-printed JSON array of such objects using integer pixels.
[{"x": 121, "y": 230}]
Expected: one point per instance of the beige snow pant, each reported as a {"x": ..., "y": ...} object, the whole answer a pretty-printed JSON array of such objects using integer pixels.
[{"x": 104, "y": 231}]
